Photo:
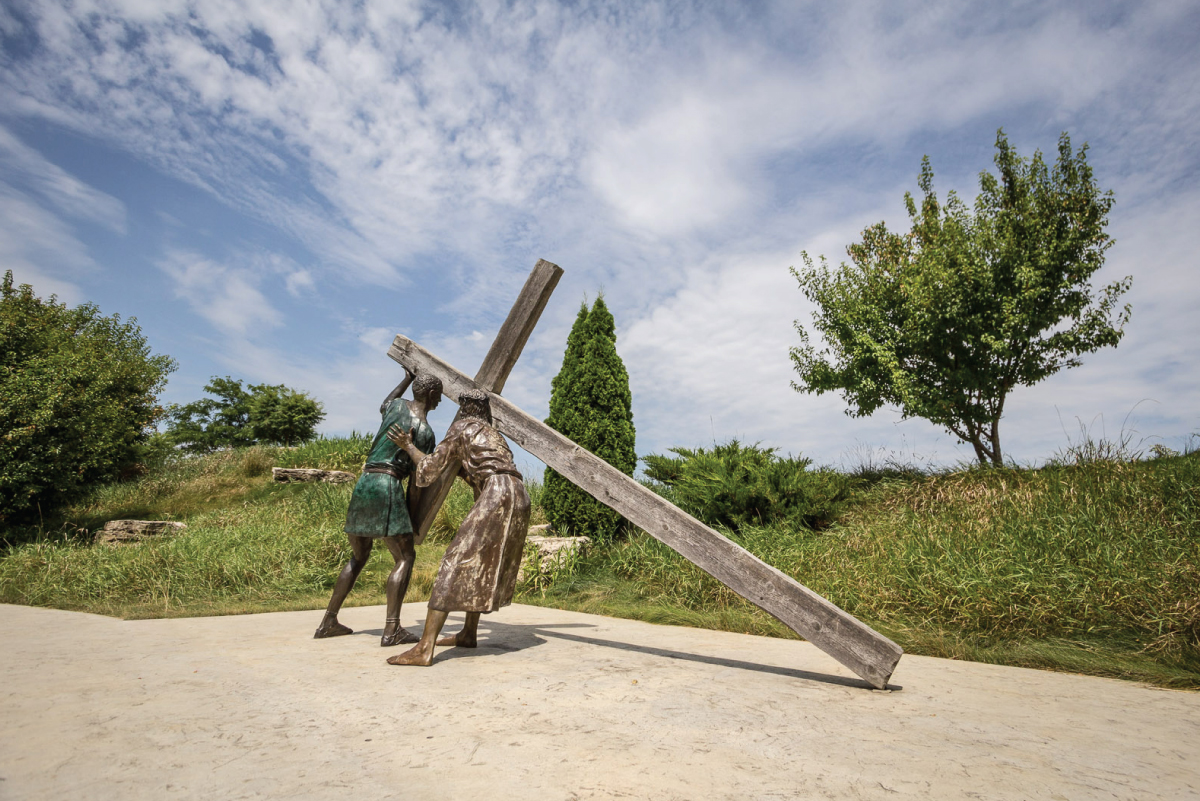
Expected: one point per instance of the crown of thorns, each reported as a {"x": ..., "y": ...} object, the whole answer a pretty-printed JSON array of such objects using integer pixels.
[
  {"x": 427, "y": 386},
  {"x": 475, "y": 402},
  {"x": 474, "y": 397}
]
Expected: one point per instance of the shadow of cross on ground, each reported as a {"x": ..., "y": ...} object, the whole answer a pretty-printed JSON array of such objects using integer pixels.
[{"x": 497, "y": 639}]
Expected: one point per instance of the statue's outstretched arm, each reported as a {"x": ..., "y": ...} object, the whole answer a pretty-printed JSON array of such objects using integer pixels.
[{"x": 400, "y": 389}]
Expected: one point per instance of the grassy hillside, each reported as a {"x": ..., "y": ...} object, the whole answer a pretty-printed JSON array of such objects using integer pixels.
[
  {"x": 251, "y": 544},
  {"x": 1090, "y": 567}
]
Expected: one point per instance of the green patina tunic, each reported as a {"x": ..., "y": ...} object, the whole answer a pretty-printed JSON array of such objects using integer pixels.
[{"x": 379, "y": 505}]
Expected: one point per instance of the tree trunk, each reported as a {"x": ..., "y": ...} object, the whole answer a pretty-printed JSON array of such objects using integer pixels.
[{"x": 997, "y": 457}]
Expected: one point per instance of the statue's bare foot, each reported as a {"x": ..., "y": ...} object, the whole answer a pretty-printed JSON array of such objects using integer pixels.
[
  {"x": 463, "y": 639},
  {"x": 413, "y": 656},
  {"x": 397, "y": 637},
  {"x": 331, "y": 629}
]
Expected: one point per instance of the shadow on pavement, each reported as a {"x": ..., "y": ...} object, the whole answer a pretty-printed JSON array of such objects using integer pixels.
[
  {"x": 498, "y": 638},
  {"x": 794, "y": 673},
  {"x": 494, "y": 638}
]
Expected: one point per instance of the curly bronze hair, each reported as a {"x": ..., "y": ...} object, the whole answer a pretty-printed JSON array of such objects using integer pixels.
[
  {"x": 476, "y": 403},
  {"x": 426, "y": 386}
]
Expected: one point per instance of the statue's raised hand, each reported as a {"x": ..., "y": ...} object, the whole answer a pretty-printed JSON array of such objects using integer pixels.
[{"x": 402, "y": 438}]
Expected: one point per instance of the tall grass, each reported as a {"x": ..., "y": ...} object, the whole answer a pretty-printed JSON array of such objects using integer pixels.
[
  {"x": 1103, "y": 555},
  {"x": 326, "y": 453},
  {"x": 1089, "y": 564},
  {"x": 249, "y": 544}
]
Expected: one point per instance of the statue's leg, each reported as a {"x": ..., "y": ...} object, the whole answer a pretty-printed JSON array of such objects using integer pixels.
[
  {"x": 422, "y": 653},
  {"x": 405, "y": 553},
  {"x": 468, "y": 637},
  {"x": 360, "y": 552}
]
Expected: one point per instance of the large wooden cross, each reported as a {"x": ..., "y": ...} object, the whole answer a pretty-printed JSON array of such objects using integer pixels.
[{"x": 856, "y": 645}]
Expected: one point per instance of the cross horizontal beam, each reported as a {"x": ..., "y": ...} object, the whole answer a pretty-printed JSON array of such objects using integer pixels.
[{"x": 851, "y": 642}]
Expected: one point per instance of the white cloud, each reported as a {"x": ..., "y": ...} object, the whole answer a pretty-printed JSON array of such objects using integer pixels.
[
  {"x": 227, "y": 297},
  {"x": 62, "y": 190},
  {"x": 39, "y": 248},
  {"x": 37, "y": 197}
]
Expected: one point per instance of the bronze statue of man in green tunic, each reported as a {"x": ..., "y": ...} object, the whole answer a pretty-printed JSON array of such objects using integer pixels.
[
  {"x": 479, "y": 571},
  {"x": 380, "y": 508}
]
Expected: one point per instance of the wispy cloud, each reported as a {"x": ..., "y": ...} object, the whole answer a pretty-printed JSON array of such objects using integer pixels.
[
  {"x": 40, "y": 205},
  {"x": 226, "y": 296},
  {"x": 40, "y": 248},
  {"x": 24, "y": 166}
]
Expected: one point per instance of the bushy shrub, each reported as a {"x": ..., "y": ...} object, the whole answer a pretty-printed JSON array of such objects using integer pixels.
[
  {"x": 78, "y": 399},
  {"x": 735, "y": 485}
]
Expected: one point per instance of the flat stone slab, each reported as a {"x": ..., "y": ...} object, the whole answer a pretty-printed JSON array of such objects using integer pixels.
[
  {"x": 119, "y": 531},
  {"x": 550, "y": 551},
  {"x": 288, "y": 474},
  {"x": 552, "y": 705},
  {"x": 557, "y": 546}
]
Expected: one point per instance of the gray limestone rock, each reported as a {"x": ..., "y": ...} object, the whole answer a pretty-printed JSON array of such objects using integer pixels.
[
  {"x": 288, "y": 474},
  {"x": 121, "y": 531}
]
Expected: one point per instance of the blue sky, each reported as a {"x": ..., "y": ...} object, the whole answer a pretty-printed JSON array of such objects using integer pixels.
[{"x": 276, "y": 189}]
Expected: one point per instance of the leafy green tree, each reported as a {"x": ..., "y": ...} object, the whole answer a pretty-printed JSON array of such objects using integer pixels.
[
  {"x": 944, "y": 321},
  {"x": 283, "y": 416},
  {"x": 591, "y": 404},
  {"x": 78, "y": 399},
  {"x": 238, "y": 416},
  {"x": 222, "y": 421}
]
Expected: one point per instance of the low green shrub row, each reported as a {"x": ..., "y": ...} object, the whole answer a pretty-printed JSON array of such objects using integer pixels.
[{"x": 737, "y": 485}]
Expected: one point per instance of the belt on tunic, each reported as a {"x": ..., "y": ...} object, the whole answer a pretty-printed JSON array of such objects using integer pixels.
[
  {"x": 384, "y": 467},
  {"x": 503, "y": 471}
]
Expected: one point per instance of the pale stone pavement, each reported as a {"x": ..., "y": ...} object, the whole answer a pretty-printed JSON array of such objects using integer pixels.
[{"x": 553, "y": 705}]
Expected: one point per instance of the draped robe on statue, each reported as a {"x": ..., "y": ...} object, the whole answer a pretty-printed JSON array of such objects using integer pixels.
[{"x": 479, "y": 571}]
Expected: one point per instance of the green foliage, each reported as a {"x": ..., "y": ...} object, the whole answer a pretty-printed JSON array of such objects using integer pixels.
[
  {"x": 539, "y": 573},
  {"x": 210, "y": 423},
  {"x": 283, "y": 416},
  {"x": 944, "y": 321},
  {"x": 328, "y": 453},
  {"x": 251, "y": 544},
  {"x": 239, "y": 416},
  {"x": 736, "y": 485},
  {"x": 1090, "y": 568},
  {"x": 590, "y": 403},
  {"x": 78, "y": 399}
]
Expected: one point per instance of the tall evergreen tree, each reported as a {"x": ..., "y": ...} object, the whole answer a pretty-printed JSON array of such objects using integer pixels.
[
  {"x": 590, "y": 403},
  {"x": 564, "y": 414}
]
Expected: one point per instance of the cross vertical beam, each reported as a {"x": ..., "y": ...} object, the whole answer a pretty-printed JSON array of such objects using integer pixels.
[{"x": 493, "y": 373}]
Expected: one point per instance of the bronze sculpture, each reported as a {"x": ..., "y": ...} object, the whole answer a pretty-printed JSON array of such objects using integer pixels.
[
  {"x": 380, "y": 508},
  {"x": 478, "y": 574},
  {"x": 848, "y": 640}
]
